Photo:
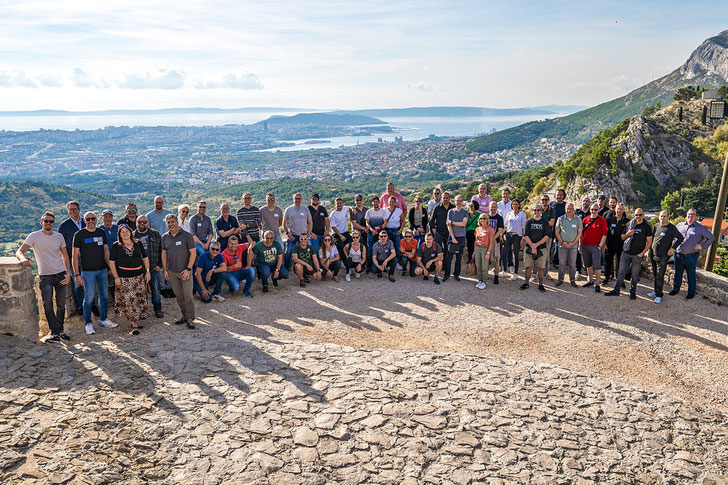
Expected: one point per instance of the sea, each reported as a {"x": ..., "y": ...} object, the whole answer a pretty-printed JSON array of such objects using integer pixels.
[{"x": 411, "y": 128}]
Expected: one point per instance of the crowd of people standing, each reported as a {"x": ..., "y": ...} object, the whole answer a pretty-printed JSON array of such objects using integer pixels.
[{"x": 175, "y": 255}]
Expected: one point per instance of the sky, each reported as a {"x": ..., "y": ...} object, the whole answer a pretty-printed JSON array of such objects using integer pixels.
[{"x": 92, "y": 55}]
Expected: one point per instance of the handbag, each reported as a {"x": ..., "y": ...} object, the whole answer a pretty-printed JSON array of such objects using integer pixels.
[
  {"x": 628, "y": 242},
  {"x": 454, "y": 248},
  {"x": 470, "y": 270}
]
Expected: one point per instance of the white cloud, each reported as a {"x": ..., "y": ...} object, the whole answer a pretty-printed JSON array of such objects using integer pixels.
[
  {"x": 232, "y": 81},
  {"x": 16, "y": 79},
  {"x": 82, "y": 79},
  {"x": 162, "y": 80},
  {"x": 423, "y": 86},
  {"x": 49, "y": 80}
]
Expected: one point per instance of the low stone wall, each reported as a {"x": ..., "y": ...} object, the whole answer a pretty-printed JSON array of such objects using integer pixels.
[
  {"x": 18, "y": 308},
  {"x": 710, "y": 285}
]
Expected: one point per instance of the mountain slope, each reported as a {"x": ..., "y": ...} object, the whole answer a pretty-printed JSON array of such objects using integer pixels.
[{"x": 706, "y": 66}]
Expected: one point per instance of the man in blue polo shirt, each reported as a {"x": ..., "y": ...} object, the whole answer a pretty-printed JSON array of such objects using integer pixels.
[{"x": 209, "y": 270}]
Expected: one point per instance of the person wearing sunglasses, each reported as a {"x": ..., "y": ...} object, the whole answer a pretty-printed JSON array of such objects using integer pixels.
[
  {"x": 226, "y": 226},
  {"x": 429, "y": 259},
  {"x": 384, "y": 256},
  {"x": 239, "y": 266},
  {"x": 90, "y": 265},
  {"x": 68, "y": 229},
  {"x": 129, "y": 266},
  {"x": 296, "y": 221},
  {"x": 329, "y": 259},
  {"x": 130, "y": 216},
  {"x": 201, "y": 228},
  {"x": 355, "y": 255},
  {"x": 408, "y": 253},
  {"x": 340, "y": 224},
  {"x": 178, "y": 259},
  {"x": 547, "y": 214},
  {"x": 591, "y": 245},
  {"x": 305, "y": 261},
  {"x": 271, "y": 218},
  {"x": 210, "y": 269},
  {"x": 249, "y": 220},
  {"x": 535, "y": 236},
  {"x": 637, "y": 242},
  {"x": 151, "y": 241},
  {"x": 54, "y": 272},
  {"x": 183, "y": 213}
]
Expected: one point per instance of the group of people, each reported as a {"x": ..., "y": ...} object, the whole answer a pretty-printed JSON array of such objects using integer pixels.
[{"x": 176, "y": 255}]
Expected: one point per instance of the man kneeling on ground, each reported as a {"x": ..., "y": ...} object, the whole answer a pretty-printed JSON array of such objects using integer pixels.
[
  {"x": 269, "y": 260},
  {"x": 305, "y": 261},
  {"x": 209, "y": 272},
  {"x": 429, "y": 259}
]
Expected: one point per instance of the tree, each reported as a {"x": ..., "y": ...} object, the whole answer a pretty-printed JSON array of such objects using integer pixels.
[
  {"x": 723, "y": 92},
  {"x": 704, "y": 115},
  {"x": 671, "y": 204}
]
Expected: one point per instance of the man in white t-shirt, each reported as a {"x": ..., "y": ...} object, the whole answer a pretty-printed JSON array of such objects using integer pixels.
[
  {"x": 339, "y": 218},
  {"x": 434, "y": 202},
  {"x": 375, "y": 219},
  {"x": 54, "y": 270}
]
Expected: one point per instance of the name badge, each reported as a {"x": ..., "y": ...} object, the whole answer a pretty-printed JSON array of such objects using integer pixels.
[
  {"x": 321, "y": 214},
  {"x": 199, "y": 224},
  {"x": 662, "y": 234},
  {"x": 691, "y": 233},
  {"x": 275, "y": 215},
  {"x": 614, "y": 225},
  {"x": 302, "y": 214},
  {"x": 573, "y": 226},
  {"x": 433, "y": 255},
  {"x": 178, "y": 243}
]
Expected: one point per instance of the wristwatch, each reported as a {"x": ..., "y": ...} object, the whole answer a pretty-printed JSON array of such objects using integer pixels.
[{"x": 188, "y": 269}]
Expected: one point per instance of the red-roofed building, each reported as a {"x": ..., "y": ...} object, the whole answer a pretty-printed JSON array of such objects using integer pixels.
[{"x": 723, "y": 239}]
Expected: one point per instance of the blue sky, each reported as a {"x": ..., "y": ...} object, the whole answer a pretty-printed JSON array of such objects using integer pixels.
[{"x": 83, "y": 55}]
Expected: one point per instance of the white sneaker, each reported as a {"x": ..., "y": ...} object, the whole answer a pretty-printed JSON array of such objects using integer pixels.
[
  {"x": 358, "y": 275},
  {"x": 399, "y": 267},
  {"x": 107, "y": 324},
  {"x": 477, "y": 285},
  {"x": 658, "y": 299},
  {"x": 348, "y": 277},
  {"x": 482, "y": 285},
  {"x": 514, "y": 277},
  {"x": 218, "y": 297},
  {"x": 90, "y": 329},
  {"x": 511, "y": 269},
  {"x": 652, "y": 294},
  {"x": 501, "y": 274}
]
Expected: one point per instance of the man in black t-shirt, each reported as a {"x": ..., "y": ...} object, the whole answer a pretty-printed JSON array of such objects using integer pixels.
[
  {"x": 90, "y": 265},
  {"x": 321, "y": 222},
  {"x": 637, "y": 241},
  {"x": 665, "y": 241},
  {"x": 616, "y": 226},
  {"x": 429, "y": 259}
]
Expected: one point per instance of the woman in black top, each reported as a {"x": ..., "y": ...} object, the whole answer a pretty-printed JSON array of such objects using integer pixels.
[
  {"x": 418, "y": 220},
  {"x": 616, "y": 224},
  {"x": 130, "y": 268}
]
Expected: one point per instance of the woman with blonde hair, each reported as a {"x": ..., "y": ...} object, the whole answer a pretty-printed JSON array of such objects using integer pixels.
[
  {"x": 183, "y": 211},
  {"x": 484, "y": 242},
  {"x": 129, "y": 265}
]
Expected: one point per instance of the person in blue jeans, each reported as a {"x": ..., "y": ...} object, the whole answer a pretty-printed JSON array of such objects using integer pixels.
[
  {"x": 695, "y": 238},
  {"x": 151, "y": 240},
  {"x": 90, "y": 256},
  {"x": 395, "y": 225},
  {"x": 269, "y": 260},
  {"x": 209, "y": 270},
  {"x": 457, "y": 219},
  {"x": 237, "y": 260}
]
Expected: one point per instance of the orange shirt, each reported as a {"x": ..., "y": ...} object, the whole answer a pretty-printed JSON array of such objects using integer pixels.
[
  {"x": 482, "y": 236},
  {"x": 409, "y": 246}
]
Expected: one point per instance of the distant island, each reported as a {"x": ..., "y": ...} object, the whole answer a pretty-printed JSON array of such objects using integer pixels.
[
  {"x": 321, "y": 119},
  {"x": 460, "y": 111}
]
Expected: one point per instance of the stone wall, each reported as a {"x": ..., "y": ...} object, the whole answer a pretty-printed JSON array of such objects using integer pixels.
[
  {"x": 710, "y": 285},
  {"x": 18, "y": 308}
]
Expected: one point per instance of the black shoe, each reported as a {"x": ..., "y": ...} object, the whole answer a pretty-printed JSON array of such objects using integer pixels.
[
  {"x": 95, "y": 311},
  {"x": 605, "y": 281},
  {"x": 614, "y": 292},
  {"x": 437, "y": 280},
  {"x": 573, "y": 283},
  {"x": 690, "y": 296},
  {"x": 559, "y": 283},
  {"x": 306, "y": 280},
  {"x": 380, "y": 274},
  {"x": 597, "y": 289},
  {"x": 447, "y": 277},
  {"x": 587, "y": 284},
  {"x": 181, "y": 321},
  {"x": 456, "y": 278},
  {"x": 495, "y": 279},
  {"x": 265, "y": 288},
  {"x": 159, "y": 314},
  {"x": 171, "y": 294},
  {"x": 425, "y": 278},
  {"x": 674, "y": 292},
  {"x": 368, "y": 271},
  {"x": 541, "y": 288},
  {"x": 302, "y": 283},
  {"x": 164, "y": 293},
  {"x": 391, "y": 278},
  {"x": 135, "y": 331},
  {"x": 404, "y": 273},
  {"x": 64, "y": 336},
  {"x": 275, "y": 282},
  {"x": 525, "y": 286},
  {"x": 53, "y": 338},
  {"x": 190, "y": 324},
  {"x": 632, "y": 295}
]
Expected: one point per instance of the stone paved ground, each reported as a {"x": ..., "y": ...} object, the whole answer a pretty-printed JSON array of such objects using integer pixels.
[{"x": 249, "y": 397}]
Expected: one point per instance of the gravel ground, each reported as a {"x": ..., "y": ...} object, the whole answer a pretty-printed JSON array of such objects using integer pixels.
[{"x": 679, "y": 347}]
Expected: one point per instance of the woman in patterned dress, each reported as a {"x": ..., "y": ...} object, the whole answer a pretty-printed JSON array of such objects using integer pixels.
[{"x": 130, "y": 268}]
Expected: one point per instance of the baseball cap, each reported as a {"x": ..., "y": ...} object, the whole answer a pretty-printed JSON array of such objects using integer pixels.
[{"x": 107, "y": 211}]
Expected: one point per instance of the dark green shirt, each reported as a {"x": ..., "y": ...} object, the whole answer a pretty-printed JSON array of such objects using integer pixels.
[{"x": 305, "y": 255}]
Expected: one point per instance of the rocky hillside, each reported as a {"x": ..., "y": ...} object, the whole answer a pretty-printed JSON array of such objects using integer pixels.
[
  {"x": 707, "y": 66},
  {"x": 644, "y": 157}
]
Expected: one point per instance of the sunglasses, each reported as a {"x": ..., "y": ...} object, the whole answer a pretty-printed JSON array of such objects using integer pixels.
[
  {"x": 142, "y": 222},
  {"x": 355, "y": 237},
  {"x": 537, "y": 210},
  {"x": 327, "y": 240},
  {"x": 88, "y": 219},
  {"x": 593, "y": 210},
  {"x": 45, "y": 221},
  {"x": 130, "y": 211},
  {"x": 382, "y": 237},
  {"x": 408, "y": 236},
  {"x": 202, "y": 207},
  {"x": 271, "y": 199},
  {"x": 185, "y": 212},
  {"x": 214, "y": 249}
]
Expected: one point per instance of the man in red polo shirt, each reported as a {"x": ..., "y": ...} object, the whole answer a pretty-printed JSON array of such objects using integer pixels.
[{"x": 591, "y": 245}]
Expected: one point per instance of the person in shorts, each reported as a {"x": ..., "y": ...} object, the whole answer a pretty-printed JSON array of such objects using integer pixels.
[
  {"x": 591, "y": 245},
  {"x": 535, "y": 237}
]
